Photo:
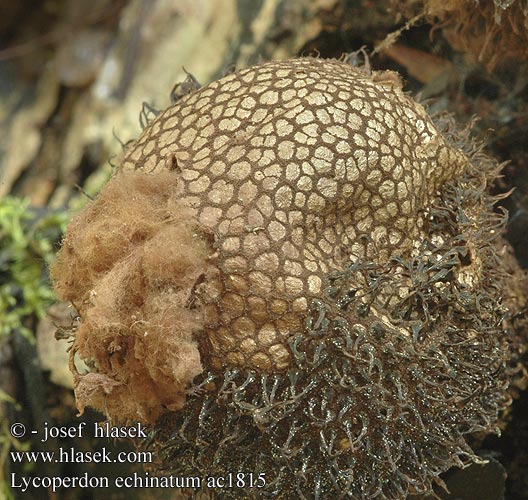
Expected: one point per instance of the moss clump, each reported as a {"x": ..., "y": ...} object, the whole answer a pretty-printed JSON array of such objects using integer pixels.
[{"x": 27, "y": 236}]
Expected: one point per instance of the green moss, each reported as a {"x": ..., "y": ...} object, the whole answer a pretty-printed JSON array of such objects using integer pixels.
[{"x": 27, "y": 237}]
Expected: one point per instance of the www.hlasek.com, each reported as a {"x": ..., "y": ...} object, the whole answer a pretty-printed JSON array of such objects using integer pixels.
[
  {"x": 65, "y": 455},
  {"x": 135, "y": 480}
]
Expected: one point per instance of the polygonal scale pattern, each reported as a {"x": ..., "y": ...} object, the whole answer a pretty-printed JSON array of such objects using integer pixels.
[{"x": 297, "y": 168}]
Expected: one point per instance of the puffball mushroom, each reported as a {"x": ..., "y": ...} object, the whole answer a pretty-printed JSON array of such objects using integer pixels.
[{"x": 307, "y": 271}]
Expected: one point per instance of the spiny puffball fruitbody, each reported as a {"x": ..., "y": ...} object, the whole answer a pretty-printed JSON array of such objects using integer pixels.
[{"x": 297, "y": 272}]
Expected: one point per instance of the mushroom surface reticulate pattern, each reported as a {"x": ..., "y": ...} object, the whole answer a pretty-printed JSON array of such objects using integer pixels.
[{"x": 307, "y": 270}]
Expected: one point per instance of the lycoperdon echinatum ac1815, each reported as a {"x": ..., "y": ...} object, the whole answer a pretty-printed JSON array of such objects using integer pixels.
[{"x": 296, "y": 271}]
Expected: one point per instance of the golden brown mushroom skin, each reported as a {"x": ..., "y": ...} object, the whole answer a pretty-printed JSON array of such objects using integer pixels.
[
  {"x": 312, "y": 274},
  {"x": 296, "y": 168}
]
